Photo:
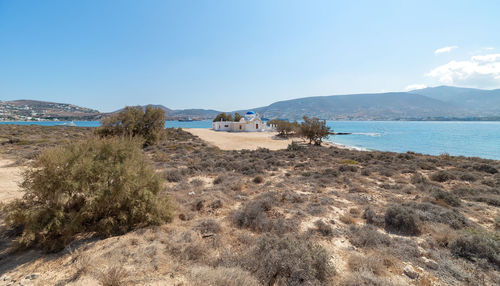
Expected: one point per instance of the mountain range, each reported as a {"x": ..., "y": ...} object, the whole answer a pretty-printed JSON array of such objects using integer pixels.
[{"x": 433, "y": 103}]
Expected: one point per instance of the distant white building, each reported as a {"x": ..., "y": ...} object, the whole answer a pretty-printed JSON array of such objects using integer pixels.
[{"x": 251, "y": 122}]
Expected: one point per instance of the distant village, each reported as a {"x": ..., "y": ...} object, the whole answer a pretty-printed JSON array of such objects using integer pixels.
[{"x": 38, "y": 111}]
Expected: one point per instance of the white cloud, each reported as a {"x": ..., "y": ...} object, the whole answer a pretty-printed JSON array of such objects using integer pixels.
[
  {"x": 480, "y": 71},
  {"x": 415, "y": 87},
  {"x": 445, "y": 50}
]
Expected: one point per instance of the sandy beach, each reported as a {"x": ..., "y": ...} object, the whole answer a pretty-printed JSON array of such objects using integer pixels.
[
  {"x": 9, "y": 179},
  {"x": 241, "y": 140}
]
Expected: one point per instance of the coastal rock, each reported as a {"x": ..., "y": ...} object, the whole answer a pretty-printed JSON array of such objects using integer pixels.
[
  {"x": 430, "y": 263},
  {"x": 4, "y": 278},
  {"x": 410, "y": 272}
]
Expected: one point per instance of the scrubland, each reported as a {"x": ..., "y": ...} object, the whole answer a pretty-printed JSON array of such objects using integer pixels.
[{"x": 307, "y": 215}]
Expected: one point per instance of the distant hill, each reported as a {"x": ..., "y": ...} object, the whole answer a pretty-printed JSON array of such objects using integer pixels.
[
  {"x": 438, "y": 103},
  {"x": 434, "y": 103},
  {"x": 42, "y": 110},
  {"x": 382, "y": 106},
  {"x": 475, "y": 101}
]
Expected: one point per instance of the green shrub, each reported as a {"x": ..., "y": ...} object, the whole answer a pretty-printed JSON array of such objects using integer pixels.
[
  {"x": 148, "y": 123},
  {"x": 401, "y": 219},
  {"x": 288, "y": 261},
  {"x": 104, "y": 186},
  {"x": 475, "y": 244}
]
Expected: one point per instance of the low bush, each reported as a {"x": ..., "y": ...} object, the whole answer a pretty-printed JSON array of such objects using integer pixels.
[
  {"x": 288, "y": 261},
  {"x": 104, "y": 186},
  {"x": 485, "y": 168},
  {"x": 477, "y": 244},
  {"x": 434, "y": 213},
  {"x": 372, "y": 218},
  {"x": 208, "y": 226},
  {"x": 258, "y": 179},
  {"x": 367, "y": 236},
  {"x": 218, "y": 180},
  {"x": 442, "y": 176},
  {"x": 254, "y": 216},
  {"x": 323, "y": 228},
  {"x": 402, "y": 220},
  {"x": 447, "y": 197},
  {"x": 173, "y": 176}
]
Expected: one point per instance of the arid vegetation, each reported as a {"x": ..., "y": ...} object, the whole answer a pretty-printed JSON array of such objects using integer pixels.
[{"x": 307, "y": 215}]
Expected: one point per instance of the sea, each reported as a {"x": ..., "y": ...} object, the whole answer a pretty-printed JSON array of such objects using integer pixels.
[{"x": 458, "y": 138}]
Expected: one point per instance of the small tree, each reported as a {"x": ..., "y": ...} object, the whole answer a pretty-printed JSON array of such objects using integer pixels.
[
  {"x": 237, "y": 117},
  {"x": 284, "y": 128},
  {"x": 314, "y": 130},
  {"x": 223, "y": 117},
  {"x": 147, "y": 123}
]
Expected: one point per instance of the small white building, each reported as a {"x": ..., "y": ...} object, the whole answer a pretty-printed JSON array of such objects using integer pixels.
[{"x": 251, "y": 122}]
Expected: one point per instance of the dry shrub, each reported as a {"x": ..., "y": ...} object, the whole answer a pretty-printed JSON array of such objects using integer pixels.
[
  {"x": 367, "y": 236},
  {"x": 258, "y": 179},
  {"x": 218, "y": 180},
  {"x": 477, "y": 244},
  {"x": 441, "y": 233},
  {"x": 222, "y": 276},
  {"x": 173, "y": 176},
  {"x": 401, "y": 219},
  {"x": 288, "y": 261},
  {"x": 208, "y": 226},
  {"x": 188, "y": 246},
  {"x": 447, "y": 197},
  {"x": 442, "y": 176},
  {"x": 372, "y": 218},
  {"x": 347, "y": 219},
  {"x": 485, "y": 168},
  {"x": 323, "y": 228},
  {"x": 254, "y": 215},
  {"x": 113, "y": 276},
  {"x": 375, "y": 263},
  {"x": 104, "y": 186}
]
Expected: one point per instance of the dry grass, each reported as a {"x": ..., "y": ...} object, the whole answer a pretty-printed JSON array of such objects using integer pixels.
[{"x": 230, "y": 230}]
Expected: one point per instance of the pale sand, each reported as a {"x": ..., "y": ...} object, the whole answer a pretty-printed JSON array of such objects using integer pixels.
[
  {"x": 9, "y": 179},
  {"x": 241, "y": 140}
]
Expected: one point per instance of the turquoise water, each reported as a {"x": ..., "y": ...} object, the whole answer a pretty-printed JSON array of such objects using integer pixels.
[{"x": 478, "y": 139}]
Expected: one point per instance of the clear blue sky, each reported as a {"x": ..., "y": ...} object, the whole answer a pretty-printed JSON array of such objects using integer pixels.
[{"x": 228, "y": 55}]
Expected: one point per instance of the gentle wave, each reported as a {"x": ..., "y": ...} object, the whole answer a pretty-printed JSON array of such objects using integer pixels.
[{"x": 368, "y": 134}]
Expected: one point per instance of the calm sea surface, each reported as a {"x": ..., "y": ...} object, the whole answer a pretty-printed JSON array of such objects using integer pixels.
[{"x": 479, "y": 139}]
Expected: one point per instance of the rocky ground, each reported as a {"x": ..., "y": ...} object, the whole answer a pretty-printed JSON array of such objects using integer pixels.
[{"x": 303, "y": 215}]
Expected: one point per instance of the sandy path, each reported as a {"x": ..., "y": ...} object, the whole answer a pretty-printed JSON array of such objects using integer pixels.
[
  {"x": 240, "y": 140},
  {"x": 9, "y": 179}
]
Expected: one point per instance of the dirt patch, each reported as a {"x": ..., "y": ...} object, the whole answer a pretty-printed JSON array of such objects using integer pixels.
[{"x": 10, "y": 176}]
